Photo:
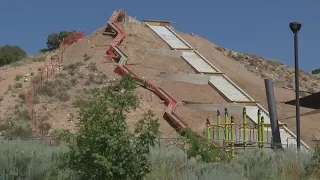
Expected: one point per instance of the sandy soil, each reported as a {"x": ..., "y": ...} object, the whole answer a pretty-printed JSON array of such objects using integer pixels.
[{"x": 7, "y": 78}]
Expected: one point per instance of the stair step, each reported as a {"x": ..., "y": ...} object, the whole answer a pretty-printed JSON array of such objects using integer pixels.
[
  {"x": 197, "y": 63},
  {"x": 171, "y": 39},
  {"x": 227, "y": 89}
]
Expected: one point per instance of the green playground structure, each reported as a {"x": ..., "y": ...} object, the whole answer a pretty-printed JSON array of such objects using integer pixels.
[{"x": 232, "y": 136}]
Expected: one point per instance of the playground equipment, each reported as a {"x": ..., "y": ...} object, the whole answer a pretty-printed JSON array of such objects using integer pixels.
[{"x": 232, "y": 136}]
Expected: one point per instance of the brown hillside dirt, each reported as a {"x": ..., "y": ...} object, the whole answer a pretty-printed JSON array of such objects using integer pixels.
[
  {"x": 141, "y": 38},
  {"x": 15, "y": 78},
  {"x": 84, "y": 68}
]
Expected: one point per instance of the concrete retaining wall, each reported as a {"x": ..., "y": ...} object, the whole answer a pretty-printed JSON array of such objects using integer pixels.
[{"x": 188, "y": 78}]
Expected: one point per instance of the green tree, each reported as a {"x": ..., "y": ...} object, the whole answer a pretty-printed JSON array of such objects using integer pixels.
[
  {"x": 54, "y": 39},
  {"x": 9, "y": 54},
  {"x": 316, "y": 71},
  {"x": 103, "y": 148}
]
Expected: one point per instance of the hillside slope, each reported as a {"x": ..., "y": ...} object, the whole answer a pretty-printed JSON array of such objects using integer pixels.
[{"x": 84, "y": 68}]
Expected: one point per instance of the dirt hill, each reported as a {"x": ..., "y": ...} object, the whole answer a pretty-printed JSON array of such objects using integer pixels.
[{"x": 84, "y": 68}]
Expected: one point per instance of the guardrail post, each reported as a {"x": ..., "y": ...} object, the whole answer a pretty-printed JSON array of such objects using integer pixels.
[
  {"x": 232, "y": 137},
  {"x": 259, "y": 127},
  {"x": 208, "y": 133},
  {"x": 244, "y": 116},
  {"x": 226, "y": 132},
  {"x": 218, "y": 126},
  {"x": 262, "y": 132}
]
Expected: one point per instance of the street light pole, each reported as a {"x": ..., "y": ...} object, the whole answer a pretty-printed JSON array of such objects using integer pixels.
[{"x": 295, "y": 27}]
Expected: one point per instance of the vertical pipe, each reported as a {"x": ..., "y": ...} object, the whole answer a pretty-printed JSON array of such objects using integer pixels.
[
  {"x": 218, "y": 126},
  {"x": 52, "y": 67},
  {"x": 208, "y": 133},
  {"x": 276, "y": 140},
  {"x": 259, "y": 126},
  {"x": 226, "y": 132},
  {"x": 36, "y": 123},
  {"x": 47, "y": 72},
  {"x": 296, "y": 70},
  {"x": 244, "y": 116},
  {"x": 232, "y": 137},
  {"x": 41, "y": 77},
  {"x": 262, "y": 132}
]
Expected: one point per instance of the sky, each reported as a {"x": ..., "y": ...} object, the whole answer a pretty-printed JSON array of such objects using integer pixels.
[{"x": 248, "y": 26}]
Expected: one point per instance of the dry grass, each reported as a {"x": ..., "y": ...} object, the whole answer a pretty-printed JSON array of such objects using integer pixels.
[
  {"x": 282, "y": 75},
  {"x": 17, "y": 124}
]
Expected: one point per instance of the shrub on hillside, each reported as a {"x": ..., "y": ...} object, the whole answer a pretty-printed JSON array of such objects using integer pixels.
[
  {"x": 56, "y": 89},
  {"x": 198, "y": 148},
  {"x": 17, "y": 125},
  {"x": 54, "y": 40},
  {"x": 103, "y": 148},
  {"x": 9, "y": 54}
]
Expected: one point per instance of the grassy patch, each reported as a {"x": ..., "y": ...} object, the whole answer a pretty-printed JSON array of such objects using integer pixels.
[
  {"x": 17, "y": 85},
  {"x": 39, "y": 58},
  {"x": 80, "y": 103},
  {"x": 56, "y": 89},
  {"x": 29, "y": 160},
  {"x": 86, "y": 57},
  {"x": 73, "y": 66},
  {"x": 18, "y": 124},
  {"x": 18, "y": 77}
]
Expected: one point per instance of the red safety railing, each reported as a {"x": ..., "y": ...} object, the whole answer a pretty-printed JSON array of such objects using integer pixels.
[
  {"x": 122, "y": 69},
  {"x": 46, "y": 72}
]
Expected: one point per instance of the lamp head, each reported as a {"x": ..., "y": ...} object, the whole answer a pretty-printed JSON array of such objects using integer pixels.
[{"x": 295, "y": 27}]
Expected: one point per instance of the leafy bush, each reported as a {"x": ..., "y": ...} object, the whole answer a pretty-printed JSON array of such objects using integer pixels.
[
  {"x": 54, "y": 40},
  {"x": 103, "y": 148},
  {"x": 18, "y": 125},
  {"x": 316, "y": 71},
  {"x": 9, "y": 54},
  {"x": 198, "y": 148}
]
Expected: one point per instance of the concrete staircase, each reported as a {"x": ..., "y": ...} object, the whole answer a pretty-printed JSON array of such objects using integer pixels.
[{"x": 252, "y": 113}]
